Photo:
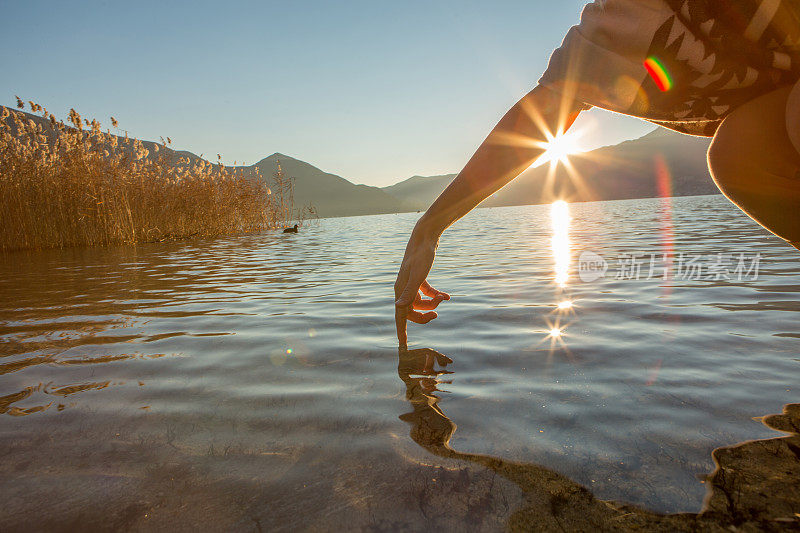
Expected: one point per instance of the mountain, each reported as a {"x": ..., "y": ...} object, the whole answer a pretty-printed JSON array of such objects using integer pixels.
[
  {"x": 661, "y": 162},
  {"x": 419, "y": 192},
  {"x": 331, "y": 195}
]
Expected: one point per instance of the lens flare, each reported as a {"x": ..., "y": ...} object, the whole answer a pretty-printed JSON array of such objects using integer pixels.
[
  {"x": 566, "y": 304},
  {"x": 555, "y": 332},
  {"x": 664, "y": 181},
  {"x": 558, "y": 148},
  {"x": 659, "y": 73}
]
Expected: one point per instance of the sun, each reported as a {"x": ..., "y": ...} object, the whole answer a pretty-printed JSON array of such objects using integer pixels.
[{"x": 559, "y": 148}]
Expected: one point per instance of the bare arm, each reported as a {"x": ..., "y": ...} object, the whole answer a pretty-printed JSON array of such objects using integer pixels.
[{"x": 512, "y": 146}]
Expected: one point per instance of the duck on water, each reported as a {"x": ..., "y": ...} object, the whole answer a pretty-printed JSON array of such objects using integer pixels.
[{"x": 290, "y": 230}]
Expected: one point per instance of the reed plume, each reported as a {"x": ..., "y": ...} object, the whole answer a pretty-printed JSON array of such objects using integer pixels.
[{"x": 75, "y": 185}]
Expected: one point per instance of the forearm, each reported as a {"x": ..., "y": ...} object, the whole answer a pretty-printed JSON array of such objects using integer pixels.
[{"x": 512, "y": 146}]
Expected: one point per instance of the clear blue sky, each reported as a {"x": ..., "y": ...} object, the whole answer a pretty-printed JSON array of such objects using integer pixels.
[{"x": 374, "y": 91}]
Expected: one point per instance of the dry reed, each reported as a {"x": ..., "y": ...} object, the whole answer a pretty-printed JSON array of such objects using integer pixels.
[{"x": 77, "y": 185}]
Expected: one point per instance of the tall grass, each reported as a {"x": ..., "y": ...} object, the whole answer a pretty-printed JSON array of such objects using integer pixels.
[{"x": 75, "y": 185}]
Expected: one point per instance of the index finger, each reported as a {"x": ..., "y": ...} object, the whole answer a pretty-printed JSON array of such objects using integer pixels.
[
  {"x": 400, "y": 314},
  {"x": 401, "y": 280},
  {"x": 402, "y": 305},
  {"x": 415, "y": 280}
]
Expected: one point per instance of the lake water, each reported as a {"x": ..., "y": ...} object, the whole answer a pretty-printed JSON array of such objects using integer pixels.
[{"x": 252, "y": 382}]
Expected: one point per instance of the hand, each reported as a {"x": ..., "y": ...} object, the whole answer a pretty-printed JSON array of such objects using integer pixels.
[{"x": 417, "y": 263}]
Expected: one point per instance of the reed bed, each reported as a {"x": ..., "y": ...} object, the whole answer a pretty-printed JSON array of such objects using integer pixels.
[{"x": 77, "y": 185}]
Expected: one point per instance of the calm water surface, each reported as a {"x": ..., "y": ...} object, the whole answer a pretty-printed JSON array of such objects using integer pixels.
[{"x": 253, "y": 381}]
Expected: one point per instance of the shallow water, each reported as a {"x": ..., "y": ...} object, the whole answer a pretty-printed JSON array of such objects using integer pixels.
[{"x": 254, "y": 379}]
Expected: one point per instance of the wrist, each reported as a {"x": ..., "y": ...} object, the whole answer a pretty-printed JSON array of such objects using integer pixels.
[{"x": 427, "y": 228}]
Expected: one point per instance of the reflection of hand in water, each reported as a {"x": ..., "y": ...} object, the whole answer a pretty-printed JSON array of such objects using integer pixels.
[
  {"x": 421, "y": 362},
  {"x": 430, "y": 427},
  {"x": 432, "y": 430}
]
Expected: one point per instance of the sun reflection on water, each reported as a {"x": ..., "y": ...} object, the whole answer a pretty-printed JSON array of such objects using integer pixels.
[
  {"x": 559, "y": 216},
  {"x": 560, "y": 220}
]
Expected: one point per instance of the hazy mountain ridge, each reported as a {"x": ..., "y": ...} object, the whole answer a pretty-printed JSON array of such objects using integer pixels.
[
  {"x": 630, "y": 169},
  {"x": 420, "y": 191}
]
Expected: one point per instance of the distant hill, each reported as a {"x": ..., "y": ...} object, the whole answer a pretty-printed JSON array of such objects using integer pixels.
[
  {"x": 419, "y": 192},
  {"x": 331, "y": 195},
  {"x": 626, "y": 170}
]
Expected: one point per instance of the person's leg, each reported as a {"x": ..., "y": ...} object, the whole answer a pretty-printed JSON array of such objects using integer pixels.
[{"x": 756, "y": 165}]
